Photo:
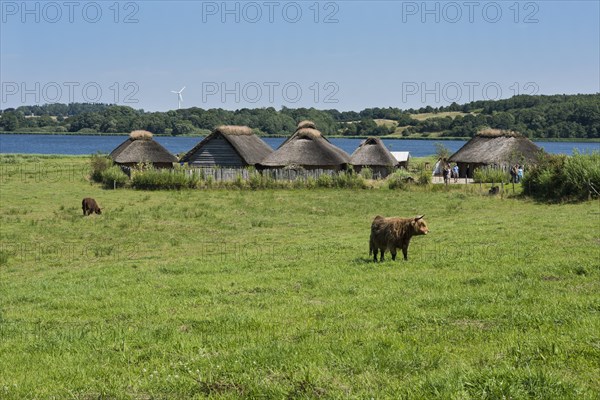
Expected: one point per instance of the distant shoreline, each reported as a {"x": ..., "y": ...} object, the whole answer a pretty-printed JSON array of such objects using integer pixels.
[{"x": 566, "y": 140}]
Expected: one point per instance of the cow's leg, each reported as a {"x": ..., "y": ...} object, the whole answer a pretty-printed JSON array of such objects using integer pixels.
[
  {"x": 375, "y": 251},
  {"x": 393, "y": 251},
  {"x": 405, "y": 252},
  {"x": 382, "y": 251}
]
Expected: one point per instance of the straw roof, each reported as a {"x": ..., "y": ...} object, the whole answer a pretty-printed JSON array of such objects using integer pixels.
[
  {"x": 135, "y": 135},
  {"x": 372, "y": 152},
  {"x": 250, "y": 147},
  {"x": 141, "y": 147},
  {"x": 306, "y": 124},
  {"x": 497, "y": 147},
  {"x": 234, "y": 130},
  {"x": 307, "y": 147}
]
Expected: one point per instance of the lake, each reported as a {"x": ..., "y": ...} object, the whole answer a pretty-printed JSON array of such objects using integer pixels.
[{"x": 84, "y": 144}]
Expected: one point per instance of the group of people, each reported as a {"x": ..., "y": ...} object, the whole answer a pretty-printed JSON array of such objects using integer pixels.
[
  {"x": 516, "y": 173},
  {"x": 447, "y": 170}
]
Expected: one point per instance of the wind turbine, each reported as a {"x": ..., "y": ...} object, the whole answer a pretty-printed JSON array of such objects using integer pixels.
[{"x": 179, "y": 97}]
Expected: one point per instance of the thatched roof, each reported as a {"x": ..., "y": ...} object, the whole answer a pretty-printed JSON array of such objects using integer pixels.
[
  {"x": 306, "y": 124},
  {"x": 497, "y": 147},
  {"x": 234, "y": 130},
  {"x": 307, "y": 147},
  {"x": 141, "y": 147},
  {"x": 372, "y": 152},
  {"x": 135, "y": 135},
  {"x": 250, "y": 147}
]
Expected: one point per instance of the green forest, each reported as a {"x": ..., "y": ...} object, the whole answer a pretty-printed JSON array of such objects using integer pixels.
[{"x": 555, "y": 116}]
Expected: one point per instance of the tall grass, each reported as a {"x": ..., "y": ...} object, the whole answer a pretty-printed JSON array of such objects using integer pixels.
[
  {"x": 491, "y": 175},
  {"x": 159, "y": 179}
]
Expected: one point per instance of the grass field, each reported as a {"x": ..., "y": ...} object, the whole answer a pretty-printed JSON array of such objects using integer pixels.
[{"x": 272, "y": 294}]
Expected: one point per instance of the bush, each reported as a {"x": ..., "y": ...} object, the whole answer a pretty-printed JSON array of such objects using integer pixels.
[
  {"x": 349, "y": 180},
  {"x": 113, "y": 176},
  {"x": 99, "y": 163},
  {"x": 366, "y": 173},
  {"x": 399, "y": 179},
  {"x": 558, "y": 177},
  {"x": 424, "y": 177},
  {"x": 325, "y": 181}
]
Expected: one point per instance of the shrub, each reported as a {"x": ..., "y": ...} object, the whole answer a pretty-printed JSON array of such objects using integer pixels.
[
  {"x": 99, "y": 163},
  {"x": 399, "y": 179},
  {"x": 558, "y": 177},
  {"x": 349, "y": 180},
  {"x": 424, "y": 177},
  {"x": 366, "y": 173},
  {"x": 113, "y": 176},
  {"x": 325, "y": 181}
]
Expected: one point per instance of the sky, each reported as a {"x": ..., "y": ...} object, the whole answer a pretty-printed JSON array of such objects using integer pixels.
[{"x": 347, "y": 55}]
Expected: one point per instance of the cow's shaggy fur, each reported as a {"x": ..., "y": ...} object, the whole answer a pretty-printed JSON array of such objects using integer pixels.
[
  {"x": 394, "y": 233},
  {"x": 89, "y": 206}
]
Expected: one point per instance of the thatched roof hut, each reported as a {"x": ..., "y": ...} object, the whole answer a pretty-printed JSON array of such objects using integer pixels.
[
  {"x": 307, "y": 148},
  {"x": 141, "y": 147},
  {"x": 373, "y": 154},
  {"x": 228, "y": 146},
  {"x": 493, "y": 147}
]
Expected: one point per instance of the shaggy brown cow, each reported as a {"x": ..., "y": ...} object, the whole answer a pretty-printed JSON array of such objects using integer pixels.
[
  {"x": 394, "y": 233},
  {"x": 89, "y": 206}
]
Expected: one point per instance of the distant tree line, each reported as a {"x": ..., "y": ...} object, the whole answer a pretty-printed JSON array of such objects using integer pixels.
[{"x": 557, "y": 116}]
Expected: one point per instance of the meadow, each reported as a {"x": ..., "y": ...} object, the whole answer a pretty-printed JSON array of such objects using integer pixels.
[{"x": 272, "y": 294}]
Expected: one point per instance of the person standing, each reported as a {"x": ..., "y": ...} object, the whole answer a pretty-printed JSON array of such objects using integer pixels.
[
  {"x": 447, "y": 172},
  {"x": 455, "y": 172},
  {"x": 520, "y": 174}
]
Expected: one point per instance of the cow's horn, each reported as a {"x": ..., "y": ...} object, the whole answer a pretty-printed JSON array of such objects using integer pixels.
[{"x": 419, "y": 217}]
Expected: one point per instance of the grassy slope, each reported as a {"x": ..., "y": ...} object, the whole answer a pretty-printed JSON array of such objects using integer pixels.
[
  {"x": 271, "y": 293},
  {"x": 419, "y": 117}
]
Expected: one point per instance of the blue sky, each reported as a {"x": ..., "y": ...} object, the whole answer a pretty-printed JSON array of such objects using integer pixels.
[{"x": 348, "y": 55}]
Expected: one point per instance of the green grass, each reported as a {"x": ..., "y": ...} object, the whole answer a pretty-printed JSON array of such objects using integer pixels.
[{"x": 271, "y": 293}]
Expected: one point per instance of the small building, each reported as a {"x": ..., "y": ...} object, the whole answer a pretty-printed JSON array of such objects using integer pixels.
[
  {"x": 228, "y": 146},
  {"x": 403, "y": 158},
  {"x": 495, "y": 148},
  {"x": 373, "y": 154},
  {"x": 307, "y": 148},
  {"x": 141, "y": 147}
]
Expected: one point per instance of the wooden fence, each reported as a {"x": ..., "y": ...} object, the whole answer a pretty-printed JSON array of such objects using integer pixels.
[{"x": 223, "y": 174}]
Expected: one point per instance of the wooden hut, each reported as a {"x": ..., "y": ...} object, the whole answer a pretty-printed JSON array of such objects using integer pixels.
[
  {"x": 373, "y": 154},
  {"x": 495, "y": 148},
  {"x": 307, "y": 148},
  {"x": 403, "y": 158},
  {"x": 228, "y": 146},
  {"x": 140, "y": 147}
]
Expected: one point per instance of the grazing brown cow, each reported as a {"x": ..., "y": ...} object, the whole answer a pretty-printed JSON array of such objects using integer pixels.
[
  {"x": 89, "y": 206},
  {"x": 394, "y": 233}
]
